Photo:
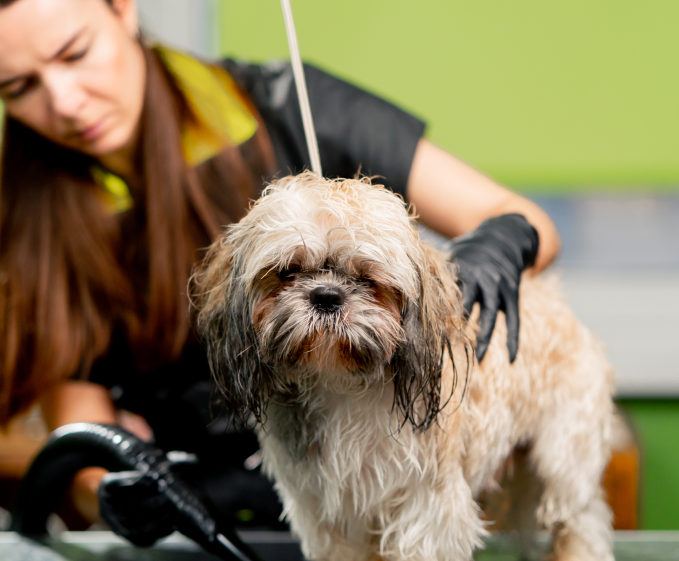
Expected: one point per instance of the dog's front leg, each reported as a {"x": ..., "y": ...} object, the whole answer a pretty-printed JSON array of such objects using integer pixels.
[
  {"x": 323, "y": 535},
  {"x": 433, "y": 521},
  {"x": 323, "y": 541}
]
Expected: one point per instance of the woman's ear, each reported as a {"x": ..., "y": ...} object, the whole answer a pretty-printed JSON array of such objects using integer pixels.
[{"x": 128, "y": 13}]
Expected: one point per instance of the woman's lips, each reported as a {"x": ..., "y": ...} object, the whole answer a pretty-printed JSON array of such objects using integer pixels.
[{"x": 94, "y": 131}]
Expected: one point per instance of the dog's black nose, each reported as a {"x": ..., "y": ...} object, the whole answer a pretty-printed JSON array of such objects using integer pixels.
[{"x": 326, "y": 298}]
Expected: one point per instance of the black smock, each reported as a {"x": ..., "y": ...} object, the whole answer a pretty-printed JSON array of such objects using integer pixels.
[{"x": 357, "y": 133}]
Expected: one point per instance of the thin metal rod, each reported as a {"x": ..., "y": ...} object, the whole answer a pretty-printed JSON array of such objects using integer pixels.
[{"x": 300, "y": 82}]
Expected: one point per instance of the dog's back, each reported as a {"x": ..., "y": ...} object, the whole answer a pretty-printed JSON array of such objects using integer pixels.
[
  {"x": 560, "y": 371},
  {"x": 554, "y": 404}
]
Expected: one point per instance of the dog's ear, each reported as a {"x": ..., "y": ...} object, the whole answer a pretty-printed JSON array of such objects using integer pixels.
[
  {"x": 225, "y": 325},
  {"x": 433, "y": 327}
]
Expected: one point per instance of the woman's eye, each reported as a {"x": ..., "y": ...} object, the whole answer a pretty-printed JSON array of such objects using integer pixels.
[
  {"x": 76, "y": 56},
  {"x": 17, "y": 92}
]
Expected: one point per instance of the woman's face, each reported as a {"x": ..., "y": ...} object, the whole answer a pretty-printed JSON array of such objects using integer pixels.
[{"x": 73, "y": 71}]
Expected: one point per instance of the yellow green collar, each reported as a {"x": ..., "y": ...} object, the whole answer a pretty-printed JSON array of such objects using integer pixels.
[{"x": 220, "y": 116}]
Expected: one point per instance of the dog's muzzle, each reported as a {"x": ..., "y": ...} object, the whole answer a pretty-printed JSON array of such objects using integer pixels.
[{"x": 327, "y": 299}]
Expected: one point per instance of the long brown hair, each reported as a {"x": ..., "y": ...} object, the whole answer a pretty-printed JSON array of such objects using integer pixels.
[{"x": 71, "y": 272}]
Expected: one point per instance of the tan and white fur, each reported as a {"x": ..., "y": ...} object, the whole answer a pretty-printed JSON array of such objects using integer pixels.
[{"x": 375, "y": 421}]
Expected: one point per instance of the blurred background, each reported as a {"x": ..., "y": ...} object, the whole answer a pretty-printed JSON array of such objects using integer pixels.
[{"x": 575, "y": 104}]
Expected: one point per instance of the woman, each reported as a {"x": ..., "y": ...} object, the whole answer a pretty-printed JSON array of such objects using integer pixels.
[{"x": 121, "y": 162}]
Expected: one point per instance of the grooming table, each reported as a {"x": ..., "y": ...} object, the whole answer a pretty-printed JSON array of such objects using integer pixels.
[
  {"x": 629, "y": 546},
  {"x": 106, "y": 546},
  {"x": 279, "y": 546}
]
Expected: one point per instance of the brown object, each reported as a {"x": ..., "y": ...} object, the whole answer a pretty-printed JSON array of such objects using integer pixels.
[{"x": 621, "y": 478}]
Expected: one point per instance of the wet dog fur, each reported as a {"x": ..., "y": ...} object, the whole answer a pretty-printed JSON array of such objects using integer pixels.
[{"x": 375, "y": 421}]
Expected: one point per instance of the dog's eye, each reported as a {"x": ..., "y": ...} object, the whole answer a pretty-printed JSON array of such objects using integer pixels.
[
  {"x": 288, "y": 274},
  {"x": 367, "y": 281}
]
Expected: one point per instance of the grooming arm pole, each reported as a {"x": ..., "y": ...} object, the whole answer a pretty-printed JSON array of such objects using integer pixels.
[{"x": 302, "y": 94}]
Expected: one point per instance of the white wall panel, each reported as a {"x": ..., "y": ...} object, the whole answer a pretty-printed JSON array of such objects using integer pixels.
[{"x": 191, "y": 25}]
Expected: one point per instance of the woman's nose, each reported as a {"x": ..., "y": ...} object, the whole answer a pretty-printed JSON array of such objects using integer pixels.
[{"x": 66, "y": 95}]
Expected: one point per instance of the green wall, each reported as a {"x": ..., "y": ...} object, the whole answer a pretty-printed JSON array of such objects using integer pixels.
[{"x": 536, "y": 93}]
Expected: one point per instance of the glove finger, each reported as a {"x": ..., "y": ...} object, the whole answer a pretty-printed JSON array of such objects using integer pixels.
[
  {"x": 150, "y": 525},
  {"x": 145, "y": 521},
  {"x": 127, "y": 483},
  {"x": 147, "y": 536},
  {"x": 470, "y": 291},
  {"x": 121, "y": 478},
  {"x": 511, "y": 309},
  {"x": 137, "y": 511},
  {"x": 127, "y": 487},
  {"x": 489, "y": 309}
]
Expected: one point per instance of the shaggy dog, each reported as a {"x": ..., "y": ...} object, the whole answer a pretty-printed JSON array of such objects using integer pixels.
[{"x": 330, "y": 324}]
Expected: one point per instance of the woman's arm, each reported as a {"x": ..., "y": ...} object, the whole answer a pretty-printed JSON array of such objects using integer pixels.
[
  {"x": 453, "y": 198},
  {"x": 130, "y": 503},
  {"x": 73, "y": 402}
]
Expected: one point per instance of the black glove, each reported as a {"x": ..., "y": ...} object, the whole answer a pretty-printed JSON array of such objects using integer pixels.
[
  {"x": 490, "y": 261},
  {"x": 134, "y": 503},
  {"x": 132, "y": 506}
]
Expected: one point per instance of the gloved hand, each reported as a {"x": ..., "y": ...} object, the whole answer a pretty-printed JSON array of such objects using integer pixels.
[
  {"x": 131, "y": 504},
  {"x": 134, "y": 503},
  {"x": 490, "y": 260}
]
